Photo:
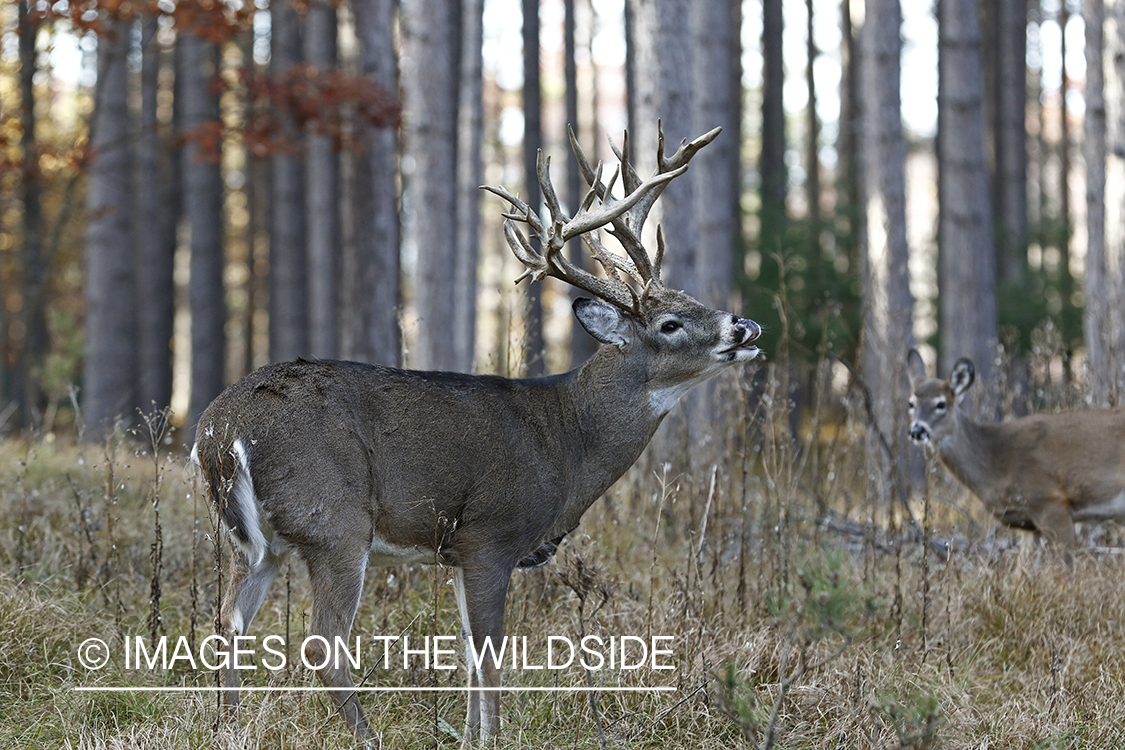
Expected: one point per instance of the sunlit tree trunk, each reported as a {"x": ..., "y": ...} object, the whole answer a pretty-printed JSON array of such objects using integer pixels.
[
  {"x": 371, "y": 329},
  {"x": 111, "y": 355},
  {"x": 470, "y": 130},
  {"x": 288, "y": 303},
  {"x": 967, "y": 274},
  {"x": 1105, "y": 217},
  {"x": 430, "y": 89},
  {"x": 888, "y": 305},
  {"x": 322, "y": 196},
  {"x": 203, "y": 211}
]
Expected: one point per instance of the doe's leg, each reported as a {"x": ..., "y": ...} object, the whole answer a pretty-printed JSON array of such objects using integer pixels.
[{"x": 246, "y": 590}]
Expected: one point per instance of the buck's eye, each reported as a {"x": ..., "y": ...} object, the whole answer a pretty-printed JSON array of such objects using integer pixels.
[{"x": 671, "y": 326}]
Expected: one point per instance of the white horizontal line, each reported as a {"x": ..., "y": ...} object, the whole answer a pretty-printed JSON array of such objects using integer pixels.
[{"x": 365, "y": 689}]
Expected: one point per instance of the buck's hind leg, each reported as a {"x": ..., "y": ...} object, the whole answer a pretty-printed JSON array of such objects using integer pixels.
[
  {"x": 246, "y": 590},
  {"x": 336, "y": 578}
]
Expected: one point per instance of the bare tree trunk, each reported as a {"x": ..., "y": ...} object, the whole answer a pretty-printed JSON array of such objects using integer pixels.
[
  {"x": 430, "y": 87},
  {"x": 532, "y": 143},
  {"x": 665, "y": 92},
  {"x": 470, "y": 132},
  {"x": 288, "y": 304},
  {"x": 774, "y": 176},
  {"x": 1105, "y": 216},
  {"x": 1010, "y": 138},
  {"x": 203, "y": 210},
  {"x": 847, "y": 142},
  {"x": 718, "y": 85},
  {"x": 968, "y": 261},
  {"x": 110, "y": 366},
  {"x": 371, "y": 331},
  {"x": 34, "y": 272},
  {"x": 155, "y": 227},
  {"x": 888, "y": 305},
  {"x": 1097, "y": 315},
  {"x": 812, "y": 140},
  {"x": 322, "y": 196}
]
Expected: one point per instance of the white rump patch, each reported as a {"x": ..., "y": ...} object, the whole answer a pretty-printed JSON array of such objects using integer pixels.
[{"x": 256, "y": 526}]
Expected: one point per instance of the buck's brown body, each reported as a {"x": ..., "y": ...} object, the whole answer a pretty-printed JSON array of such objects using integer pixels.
[
  {"x": 350, "y": 464},
  {"x": 1040, "y": 473}
]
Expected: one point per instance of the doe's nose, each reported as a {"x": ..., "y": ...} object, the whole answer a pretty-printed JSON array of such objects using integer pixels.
[{"x": 919, "y": 433}]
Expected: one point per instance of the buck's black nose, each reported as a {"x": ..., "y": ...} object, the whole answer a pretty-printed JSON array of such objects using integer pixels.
[{"x": 745, "y": 329}]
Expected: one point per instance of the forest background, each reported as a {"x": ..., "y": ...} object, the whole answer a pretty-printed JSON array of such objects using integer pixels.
[{"x": 194, "y": 189}]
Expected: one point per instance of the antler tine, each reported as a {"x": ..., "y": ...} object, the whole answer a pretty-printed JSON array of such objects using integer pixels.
[{"x": 558, "y": 218}]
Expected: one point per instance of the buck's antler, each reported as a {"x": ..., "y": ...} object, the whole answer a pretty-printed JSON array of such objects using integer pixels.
[{"x": 627, "y": 216}]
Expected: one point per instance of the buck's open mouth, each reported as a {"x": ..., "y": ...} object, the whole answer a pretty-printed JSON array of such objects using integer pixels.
[{"x": 745, "y": 346}]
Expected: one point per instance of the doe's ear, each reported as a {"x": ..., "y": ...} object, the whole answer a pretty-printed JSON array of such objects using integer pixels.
[
  {"x": 915, "y": 368},
  {"x": 602, "y": 321},
  {"x": 962, "y": 377}
]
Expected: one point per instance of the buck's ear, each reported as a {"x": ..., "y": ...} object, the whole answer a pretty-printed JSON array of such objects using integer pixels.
[
  {"x": 962, "y": 377},
  {"x": 602, "y": 321},
  {"x": 915, "y": 368}
]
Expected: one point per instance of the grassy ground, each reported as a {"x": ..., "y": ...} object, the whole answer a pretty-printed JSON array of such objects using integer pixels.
[{"x": 802, "y": 613}]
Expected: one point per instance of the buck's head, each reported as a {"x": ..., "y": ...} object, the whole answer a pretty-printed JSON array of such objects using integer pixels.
[
  {"x": 933, "y": 400},
  {"x": 678, "y": 341}
]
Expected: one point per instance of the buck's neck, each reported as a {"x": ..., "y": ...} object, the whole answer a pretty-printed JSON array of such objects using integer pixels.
[
  {"x": 612, "y": 421},
  {"x": 967, "y": 452}
]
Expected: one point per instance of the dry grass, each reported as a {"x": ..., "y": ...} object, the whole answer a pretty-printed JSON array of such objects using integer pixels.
[{"x": 792, "y": 628}]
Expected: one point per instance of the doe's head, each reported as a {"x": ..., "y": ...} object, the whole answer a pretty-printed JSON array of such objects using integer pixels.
[{"x": 932, "y": 400}]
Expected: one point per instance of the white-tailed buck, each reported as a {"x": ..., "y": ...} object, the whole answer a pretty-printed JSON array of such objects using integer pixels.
[
  {"x": 350, "y": 464},
  {"x": 1041, "y": 473}
]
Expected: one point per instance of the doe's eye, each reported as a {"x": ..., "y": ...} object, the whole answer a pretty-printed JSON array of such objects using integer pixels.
[
  {"x": 670, "y": 326},
  {"x": 940, "y": 405}
]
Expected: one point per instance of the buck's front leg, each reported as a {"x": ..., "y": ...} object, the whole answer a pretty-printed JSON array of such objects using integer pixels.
[
  {"x": 481, "y": 591},
  {"x": 1053, "y": 521}
]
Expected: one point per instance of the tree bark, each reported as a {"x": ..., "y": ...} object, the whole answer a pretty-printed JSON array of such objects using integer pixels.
[
  {"x": 532, "y": 143},
  {"x": 718, "y": 86},
  {"x": 470, "y": 131},
  {"x": 1010, "y": 138},
  {"x": 155, "y": 226},
  {"x": 430, "y": 89},
  {"x": 322, "y": 196},
  {"x": 288, "y": 303},
  {"x": 203, "y": 211},
  {"x": 967, "y": 275},
  {"x": 34, "y": 271},
  {"x": 371, "y": 329},
  {"x": 771, "y": 166},
  {"x": 110, "y": 365},
  {"x": 888, "y": 305}
]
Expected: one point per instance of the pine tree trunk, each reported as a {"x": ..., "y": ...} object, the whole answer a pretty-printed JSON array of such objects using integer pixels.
[
  {"x": 967, "y": 275},
  {"x": 1011, "y": 139},
  {"x": 1097, "y": 322},
  {"x": 203, "y": 211},
  {"x": 155, "y": 226},
  {"x": 34, "y": 282},
  {"x": 470, "y": 132},
  {"x": 430, "y": 88},
  {"x": 532, "y": 143},
  {"x": 322, "y": 196},
  {"x": 371, "y": 329},
  {"x": 888, "y": 305},
  {"x": 288, "y": 304},
  {"x": 110, "y": 366},
  {"x": 771, "y": 166}
]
